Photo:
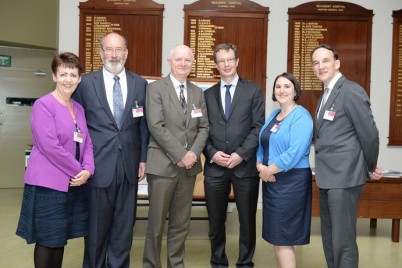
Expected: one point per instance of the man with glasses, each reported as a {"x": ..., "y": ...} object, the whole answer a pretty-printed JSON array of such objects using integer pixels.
[
  {"x": 236, "y": 113},
  {"x": 114, "y": 103}
]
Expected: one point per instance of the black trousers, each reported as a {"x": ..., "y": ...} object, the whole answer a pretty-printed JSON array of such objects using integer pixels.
[
  {"x": 112, "y": 214},
  {"x": 217, "y": 190}
]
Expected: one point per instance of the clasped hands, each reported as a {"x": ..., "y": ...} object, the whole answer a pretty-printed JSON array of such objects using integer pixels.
[
  {"x": 264, "y": 173},
  {"x": 227, "y": 160},
  {"x": 188, "y": 160},
  {"x": 80, "y": 178}
]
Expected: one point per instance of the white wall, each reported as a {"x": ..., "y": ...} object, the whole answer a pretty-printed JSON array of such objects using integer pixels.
[{"x": 390, "y": 157}]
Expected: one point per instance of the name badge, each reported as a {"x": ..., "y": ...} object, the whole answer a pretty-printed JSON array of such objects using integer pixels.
[
  {"x": 329, "y": 115},
  {"x": 275, "y": 128},
  {"x": 196, "y": 112},
  {"x": 138, "y": 112},
  {"x": 78, "y": 136}
]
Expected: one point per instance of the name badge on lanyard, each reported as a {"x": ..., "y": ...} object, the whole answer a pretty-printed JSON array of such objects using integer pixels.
[
  {"x": 275, "y": 128},
  {"x": 330, "y": 114},
  {"x": 196, "y": 112},
  {"x": 138, "y": 111},
  {"x": 78, "y": 136}
]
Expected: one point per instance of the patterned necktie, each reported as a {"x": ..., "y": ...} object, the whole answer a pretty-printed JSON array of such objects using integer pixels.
[
  {"x": 117, "y": 101},
  {"x": 183, "y": 99},
  {"x": 228, "y": 101}
]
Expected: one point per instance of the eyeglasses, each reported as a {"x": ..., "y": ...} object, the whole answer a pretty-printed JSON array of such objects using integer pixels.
[
  {"x": 229, "y": 61},
  {"x": 117, "y": 50}
]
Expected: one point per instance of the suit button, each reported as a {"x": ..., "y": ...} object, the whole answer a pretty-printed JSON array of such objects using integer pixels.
[
  {"x": 227, "y": 141},
  {"x": 316, "y": 152}
]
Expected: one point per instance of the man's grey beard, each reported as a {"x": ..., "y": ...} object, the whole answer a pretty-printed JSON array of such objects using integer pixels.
[{"x": 114, "y": 68}]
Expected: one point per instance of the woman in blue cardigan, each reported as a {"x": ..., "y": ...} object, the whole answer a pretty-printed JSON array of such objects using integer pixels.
[{"x": 283, "y": 165}]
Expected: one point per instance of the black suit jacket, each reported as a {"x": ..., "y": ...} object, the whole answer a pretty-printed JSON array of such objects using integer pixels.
[
  {"x": 132, "y": 139},
  {"x": 237, "y": 134}
]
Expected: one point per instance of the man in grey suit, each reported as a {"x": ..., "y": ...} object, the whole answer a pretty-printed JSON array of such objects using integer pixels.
[
  {"x": 178, "y": 123},
  {"x": 236, "y": 114},
  {"x": 114, "y": 103},
  {"x": 346, "y": 152}
]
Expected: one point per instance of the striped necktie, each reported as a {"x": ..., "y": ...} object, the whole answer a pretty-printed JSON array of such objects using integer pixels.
[{"x": 183, "y": 99}]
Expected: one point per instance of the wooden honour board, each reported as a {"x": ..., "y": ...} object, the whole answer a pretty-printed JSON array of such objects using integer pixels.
[
  {"x": 346, "y": 27},
  {"x": 395, "y": 123},
  {"x": 139, "y": 21},
  {"x": 244, "y": 23}
]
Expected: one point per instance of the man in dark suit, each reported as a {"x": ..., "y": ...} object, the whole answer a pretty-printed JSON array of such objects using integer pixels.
[
  {"x": 236, "y": 113},
  {"x": 178, "y": 123},
  {"x": 346, "y": 152},
  {"x": 114, "y": 103}
]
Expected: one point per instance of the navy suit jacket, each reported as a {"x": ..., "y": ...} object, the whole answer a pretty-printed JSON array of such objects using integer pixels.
[
  {"x": 238, "y": 133},
  {"x": 132, "y": 139}
]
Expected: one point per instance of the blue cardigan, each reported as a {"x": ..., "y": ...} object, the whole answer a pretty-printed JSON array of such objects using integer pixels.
[{"x": 289, "y": 147}]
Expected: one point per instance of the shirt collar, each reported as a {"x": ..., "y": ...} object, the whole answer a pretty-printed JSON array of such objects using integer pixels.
[
  {"x": 233, "y": 83},
  {"x": 176, "y": 82},
  {"x": 333, "y": 81},
  {"x": 108, "y": 74}
]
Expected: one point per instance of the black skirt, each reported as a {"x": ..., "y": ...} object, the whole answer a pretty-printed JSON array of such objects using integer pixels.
[
  {"x": 287, "y": 208},
  {"x": 50, "y": 217}
]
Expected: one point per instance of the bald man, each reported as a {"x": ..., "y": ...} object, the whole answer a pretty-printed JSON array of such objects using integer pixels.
[{"x": 178, "y": 123}]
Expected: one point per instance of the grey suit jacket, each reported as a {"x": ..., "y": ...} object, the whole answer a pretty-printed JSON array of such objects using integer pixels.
[
  {"x": 132, "y": 139},
  {"x": 346, "y": 149},
  {"x": 237, "y": 134},
  {"x": 173, "y": 133}
]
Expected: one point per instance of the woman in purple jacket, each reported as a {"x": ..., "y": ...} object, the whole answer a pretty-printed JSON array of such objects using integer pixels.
[{"x": 54, "y": 207}]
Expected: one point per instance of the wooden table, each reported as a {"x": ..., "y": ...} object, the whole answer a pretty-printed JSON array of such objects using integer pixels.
[{"x": 380, "y": 199}]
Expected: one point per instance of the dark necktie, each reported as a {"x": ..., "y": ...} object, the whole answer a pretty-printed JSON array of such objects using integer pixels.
[
  {"x": 183, "y": 99},
  {"x": 228, "y": 101},
  {"x": 117, "y": 101}
]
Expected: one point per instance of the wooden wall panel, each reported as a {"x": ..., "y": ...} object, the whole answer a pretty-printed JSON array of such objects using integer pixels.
[
  {"x": 395, "y": 122},
  {"x": 208, "y": 23},
  {"x": 139, "y": 22},
  {"x": 346, "y": 27}
]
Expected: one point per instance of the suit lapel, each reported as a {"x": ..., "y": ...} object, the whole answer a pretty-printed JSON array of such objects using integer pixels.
[
  {"x": 173, "y": 96},
  {"x": 99, "y": 86},
  {"x": 130, "y": 97},
  {"x": 217, "y": 93},
  {"x": 237, "y": 95},
  {"x": 329, "y": 102},
  {"x": 190, "y": 101}
]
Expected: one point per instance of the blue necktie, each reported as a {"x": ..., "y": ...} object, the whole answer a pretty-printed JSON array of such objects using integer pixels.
[
  {"x": 117, "y": 101},
  {"x": 228, "y": 101}
]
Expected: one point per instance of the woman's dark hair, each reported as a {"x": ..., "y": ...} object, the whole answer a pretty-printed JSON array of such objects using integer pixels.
[
  {"x": 66, "y": 59},
  {"x": 294, "y": 81}
]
